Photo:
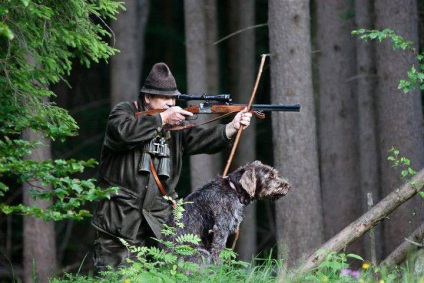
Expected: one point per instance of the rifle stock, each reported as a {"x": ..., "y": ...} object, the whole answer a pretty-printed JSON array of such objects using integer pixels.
[{"x": 207, "y": 108}]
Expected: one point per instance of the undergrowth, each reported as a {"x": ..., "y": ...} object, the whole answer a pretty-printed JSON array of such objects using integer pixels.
[{"x": 151, "y": 265}]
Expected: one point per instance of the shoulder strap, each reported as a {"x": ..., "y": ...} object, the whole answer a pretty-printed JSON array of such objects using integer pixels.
[{"x": 158, "y": 182}]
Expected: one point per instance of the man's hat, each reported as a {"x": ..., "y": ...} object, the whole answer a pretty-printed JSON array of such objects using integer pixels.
[{"x": 160, "y": 81}]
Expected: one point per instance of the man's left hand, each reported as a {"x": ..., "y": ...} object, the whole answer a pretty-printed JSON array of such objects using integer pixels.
[{"x": 241, "y": 119}]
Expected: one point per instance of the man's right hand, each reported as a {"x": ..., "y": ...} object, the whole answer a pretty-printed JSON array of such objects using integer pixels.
[{"x": 174, "y": 116}]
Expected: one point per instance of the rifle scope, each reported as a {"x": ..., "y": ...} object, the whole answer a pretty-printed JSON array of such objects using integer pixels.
[{"x": 219, "y": 97}]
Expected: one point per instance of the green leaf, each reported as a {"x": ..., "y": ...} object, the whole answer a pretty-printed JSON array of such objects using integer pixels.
[
  {"x": 3, "y": 188},
  {"x": 411, "y": 171},
  {"x": 355, "y": 256},
  {"x": 5, "y": 31}
]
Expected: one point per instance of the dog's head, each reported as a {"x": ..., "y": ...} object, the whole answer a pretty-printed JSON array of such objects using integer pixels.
[{"x": 260, "y": 181}]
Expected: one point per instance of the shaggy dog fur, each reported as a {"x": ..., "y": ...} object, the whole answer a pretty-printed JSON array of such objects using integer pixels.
[{"x": 217, "y": 208}]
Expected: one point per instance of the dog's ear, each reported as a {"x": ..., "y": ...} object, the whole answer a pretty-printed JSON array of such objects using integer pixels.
[{"x": 248, "y": 181}]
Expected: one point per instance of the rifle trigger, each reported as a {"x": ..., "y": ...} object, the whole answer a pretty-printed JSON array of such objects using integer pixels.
[{"x": 194, "y": 117}]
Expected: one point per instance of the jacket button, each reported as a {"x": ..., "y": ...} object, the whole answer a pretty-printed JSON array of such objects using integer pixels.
[{"x": 118, "y": 230}]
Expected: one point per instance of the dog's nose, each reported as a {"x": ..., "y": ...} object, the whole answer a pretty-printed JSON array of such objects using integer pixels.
[{"x": 286, "y": 187}]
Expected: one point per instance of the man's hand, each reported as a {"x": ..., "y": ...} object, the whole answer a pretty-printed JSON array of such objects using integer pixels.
[
  {"x": 241, "y": 119},
  {"x": 174, "y": 116}
]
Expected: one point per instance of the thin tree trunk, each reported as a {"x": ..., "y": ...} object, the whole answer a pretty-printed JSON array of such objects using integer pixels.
[
  {"x": 39, "y": 236},
  {"x": 212, "y": 49},
  {"x": 128, "y": 37},
  {"x": 400, "y": 119},
  {"x": 368, "y": 151},
  {"x": 243, "y": 71},
  {"x": 203, "y": 167},
  {"x": 379, "y": 212},
  {"x": 212, "y": 69},
  {"x": 299, "y": 214}
]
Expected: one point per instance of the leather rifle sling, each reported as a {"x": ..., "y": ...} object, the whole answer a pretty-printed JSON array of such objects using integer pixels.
[{"x": 158, "y": 182}]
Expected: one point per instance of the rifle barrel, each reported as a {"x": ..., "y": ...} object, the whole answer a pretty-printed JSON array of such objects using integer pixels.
[{"x": 276, "y": 107}]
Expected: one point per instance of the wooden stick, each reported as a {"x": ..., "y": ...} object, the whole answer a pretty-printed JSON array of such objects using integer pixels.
[
  {"x": 372, "y": 233},
  {"x": 236, "y": 141}
]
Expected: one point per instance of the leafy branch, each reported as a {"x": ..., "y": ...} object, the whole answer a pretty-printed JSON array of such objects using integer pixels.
[
  {"x": 416, "y": 73},
  {"x": 39, "y": 41},
  {"x": 407, "y": 173}
]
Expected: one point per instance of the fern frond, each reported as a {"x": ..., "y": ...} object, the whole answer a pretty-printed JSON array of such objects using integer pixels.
[
  {"x": 184, "y": 250},
  {"x": 161, "y": 255},
  {"x": 188, "y": 238}
]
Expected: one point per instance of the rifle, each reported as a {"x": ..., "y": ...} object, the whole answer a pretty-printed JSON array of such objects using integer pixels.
[{"x": 222, "y": 104}]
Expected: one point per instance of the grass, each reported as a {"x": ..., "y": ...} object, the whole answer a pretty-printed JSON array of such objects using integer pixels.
[{"x": 334, "y": 269}]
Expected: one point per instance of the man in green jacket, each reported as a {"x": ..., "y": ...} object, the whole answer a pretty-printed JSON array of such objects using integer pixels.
[{"x": 138, "y": 211}]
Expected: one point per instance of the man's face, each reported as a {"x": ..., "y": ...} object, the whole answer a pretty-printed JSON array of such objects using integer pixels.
[{"x": 153, "y": 102}]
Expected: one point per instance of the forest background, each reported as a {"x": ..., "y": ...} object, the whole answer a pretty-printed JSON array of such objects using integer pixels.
[{"x": 334, "y": 152}]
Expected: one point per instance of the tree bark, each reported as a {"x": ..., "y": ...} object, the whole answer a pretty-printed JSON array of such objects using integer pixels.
[
  {"x": 212, "y": 49},
  {"x": 338, "y": 132},
  {"x": 400, "y": 118},
  {"x": 128, "y": 37},
  {"x": 368, "y": 220},
  {"x": 367, "y": 120},
  {"x": 299, "y": 214},
  {"x": 202, "y": 167},
  {"x": 39, "y": 252},
  {"x": 243, "y": 73}
]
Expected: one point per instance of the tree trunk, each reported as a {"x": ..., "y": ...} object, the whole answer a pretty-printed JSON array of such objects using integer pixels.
[
  {"x": 356, "y": 229},
  {"x": 400, "y": 119},
  {"x": 212, "y": 50},
  {"x": 212, "y": 70},
  {"x": 203, "y": 167},
  {"x": 368, "y": 151},
  {"x": 39, "y": 252},
  {"x": 338, "y": 132},
  {"x": 299, "y": 214},
  {"x": 243, "y": 70},
  {"x": 128, "y": 37}
]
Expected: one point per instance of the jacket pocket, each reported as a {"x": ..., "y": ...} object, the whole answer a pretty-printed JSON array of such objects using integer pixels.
[{"x": 120, "y": 216}]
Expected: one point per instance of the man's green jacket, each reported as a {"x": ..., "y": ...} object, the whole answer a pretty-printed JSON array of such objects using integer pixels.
[{"x": 139, "y": 201}]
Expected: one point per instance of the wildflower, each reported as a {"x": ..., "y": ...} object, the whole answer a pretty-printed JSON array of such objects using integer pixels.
[
  {"x": 127, "y": 281},
  {"x": 355, "y": 274},
  {"x": 381, "y": 281},
  {"x": 324, "y": 278},
  {"x": 349, "y": 272},
  {"x": 345, "y": 272},
  {"x": 366, "y": 265}
]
